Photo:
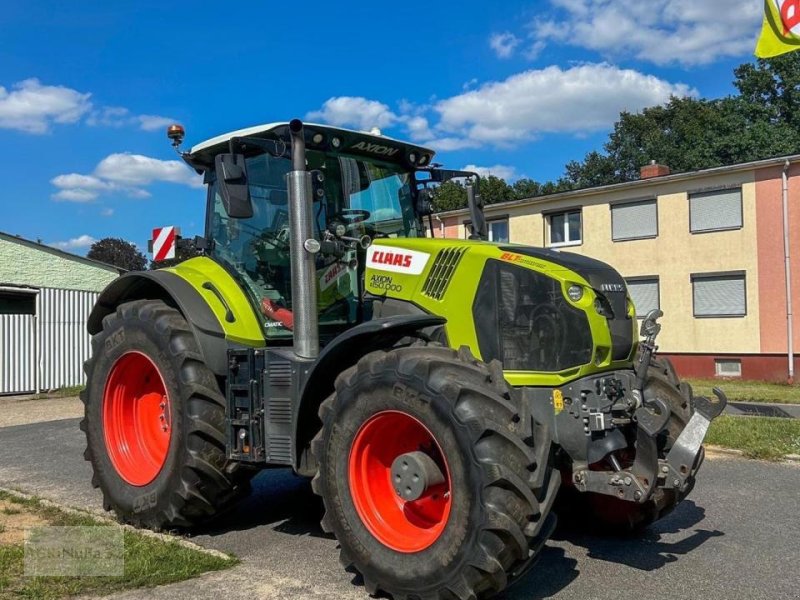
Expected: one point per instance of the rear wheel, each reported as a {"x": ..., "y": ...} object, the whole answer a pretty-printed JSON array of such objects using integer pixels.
[
  {"x": 154, "y": 421},
  {"x": 427, "y": 471}
]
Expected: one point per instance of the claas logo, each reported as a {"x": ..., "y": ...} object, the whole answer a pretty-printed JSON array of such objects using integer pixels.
[{"x": 391, "y": 258}]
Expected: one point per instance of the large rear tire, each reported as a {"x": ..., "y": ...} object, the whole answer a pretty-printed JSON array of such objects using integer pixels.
[
  {"x": 155, "y": 421},
  {"x": 486, "y": 515}
]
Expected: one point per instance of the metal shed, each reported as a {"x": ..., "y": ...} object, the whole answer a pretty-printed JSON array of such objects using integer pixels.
[{"x": 46, "y": 295}]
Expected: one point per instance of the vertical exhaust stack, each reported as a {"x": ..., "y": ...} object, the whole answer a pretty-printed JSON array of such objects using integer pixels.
[{"x": 304, "y": 286}]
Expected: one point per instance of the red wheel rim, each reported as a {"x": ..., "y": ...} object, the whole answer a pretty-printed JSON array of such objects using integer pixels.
[
  {"x": 404, "y": 526},
  {"x": 136, "y": 418}
]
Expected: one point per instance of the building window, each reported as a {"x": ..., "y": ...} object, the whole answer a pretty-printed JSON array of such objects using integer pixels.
[
  {"x": 564, "y": 228},
  {"x": 716, "y": 210},
  {"x": 728, "y": 367},
  {"x": 17, "y": 304},
  {"x": 498, "y": 230},
  {"x": 719, "y": 295},
  {"x": 634, "y": 220},
  {"x": 644, "y": 292}
]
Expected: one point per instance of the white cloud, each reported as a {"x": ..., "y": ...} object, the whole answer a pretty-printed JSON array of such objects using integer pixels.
[
  {"x": 502, "y": 171},
  {"x": 551, "y": 100},
  {"x": 504, "y": 44},
  {"x": 578, "y": 101},
  {"x": 418, "y": 128},
  {"x": 354, "y": 111},
  {"x": 82, "y": 241},
  {"x": 136, "y": 170},
  {"x": 33, "y": 108},
  {"x": 107, "y": 212},
  {"x": 123, "y": 173},
  {"x": 689, "y": 32},
  {"x": 119, "y": 116},
  {"x": 154, "y": 122}
]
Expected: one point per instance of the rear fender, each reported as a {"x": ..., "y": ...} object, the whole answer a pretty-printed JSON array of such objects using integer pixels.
[{"x": 210, "y": 329}]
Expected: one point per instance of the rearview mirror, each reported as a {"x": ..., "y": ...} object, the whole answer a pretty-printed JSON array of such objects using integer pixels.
[
  {"x": 424, "y": 204},
  {"x": 232, "y": 182}
]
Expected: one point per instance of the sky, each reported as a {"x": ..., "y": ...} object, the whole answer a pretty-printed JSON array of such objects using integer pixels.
[{"x": 513, "y": 88}]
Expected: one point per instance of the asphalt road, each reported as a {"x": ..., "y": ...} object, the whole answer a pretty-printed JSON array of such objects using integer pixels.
[{"x": 737, "y": 536}]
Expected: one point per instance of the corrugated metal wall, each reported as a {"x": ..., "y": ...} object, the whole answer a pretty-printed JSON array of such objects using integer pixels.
[
  {"x": 17, "y": 354},
  {"x": 46, "y": 352}
]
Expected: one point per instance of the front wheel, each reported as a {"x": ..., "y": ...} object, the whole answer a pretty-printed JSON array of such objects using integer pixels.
[{"x": 425, "y": 473}]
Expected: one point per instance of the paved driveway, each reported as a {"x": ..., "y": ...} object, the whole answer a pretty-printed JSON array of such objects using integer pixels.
[{"x": 738, "y": 536}]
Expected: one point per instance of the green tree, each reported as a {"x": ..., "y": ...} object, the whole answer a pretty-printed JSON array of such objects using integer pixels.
[
  {"x": 450, "y": 195},
  {"x": 493, "y": 190},
  {"x": 688, "y": 133},
  {"x": 118, "y": 252}
]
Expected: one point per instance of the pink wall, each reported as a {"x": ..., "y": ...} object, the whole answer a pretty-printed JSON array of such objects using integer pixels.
[
  {"x": 760, "y": 367},
  {"x": 771, "y": 279}
]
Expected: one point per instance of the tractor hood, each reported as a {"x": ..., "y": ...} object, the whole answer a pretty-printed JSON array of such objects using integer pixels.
[{"x": 491, "y": 292}]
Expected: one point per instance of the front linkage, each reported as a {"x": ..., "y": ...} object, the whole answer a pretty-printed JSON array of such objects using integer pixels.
[{"x": 632, "y": 434}]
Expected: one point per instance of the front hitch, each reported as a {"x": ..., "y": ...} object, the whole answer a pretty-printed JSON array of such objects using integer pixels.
[{"x": 650, "y": 469}]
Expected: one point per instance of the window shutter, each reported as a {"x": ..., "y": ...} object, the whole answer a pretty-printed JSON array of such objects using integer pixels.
[
  {"x": 720, "y": 209},
  {"x": 634, "y": 220},
  {"x": 644, "y": 293},
  {"x": 722, "y": 295}
]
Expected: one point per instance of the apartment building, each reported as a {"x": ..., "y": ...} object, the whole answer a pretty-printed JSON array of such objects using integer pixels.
[{"x": 706, "y": 247}]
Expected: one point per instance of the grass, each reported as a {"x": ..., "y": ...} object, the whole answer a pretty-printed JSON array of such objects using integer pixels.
[
  {"x": 64, "y": 392},
  {"x": 149, "y": 561},
  {"x": 749, "y": 391},
  {"x": 766, "y": 438}
]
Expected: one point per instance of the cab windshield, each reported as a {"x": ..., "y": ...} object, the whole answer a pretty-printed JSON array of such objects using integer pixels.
[{"x": 366, "y": 197}]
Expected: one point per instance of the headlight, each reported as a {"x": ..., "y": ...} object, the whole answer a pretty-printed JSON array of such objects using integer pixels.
[{"x": 575, "y": 292}]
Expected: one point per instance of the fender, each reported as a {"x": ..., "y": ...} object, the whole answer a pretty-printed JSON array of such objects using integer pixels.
[
  {"x": 175, "y": 291},
  {"x": 340, "y": 354}
]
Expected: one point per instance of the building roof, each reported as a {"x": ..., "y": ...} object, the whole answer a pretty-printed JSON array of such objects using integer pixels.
[
  {"x": 62, "y": 253},
  {"x": 638, "y": 183}
]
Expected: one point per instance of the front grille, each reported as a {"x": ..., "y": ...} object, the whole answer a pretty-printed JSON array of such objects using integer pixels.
[
  {"x": 522, "y": 319},
  {"x": 442, "y": 272}
]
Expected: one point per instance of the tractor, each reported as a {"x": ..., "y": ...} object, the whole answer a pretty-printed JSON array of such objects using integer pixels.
[{"x": 439, "y": 393}]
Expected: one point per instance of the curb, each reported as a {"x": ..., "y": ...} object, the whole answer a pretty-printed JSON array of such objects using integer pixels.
[
  {"x": 733, "y": 453},
  {"x": 103, "y": 518}
]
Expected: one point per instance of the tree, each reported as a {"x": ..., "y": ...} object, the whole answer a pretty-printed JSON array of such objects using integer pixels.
[
  {"x": 450, "y": 195},
  {"x": 118, "y": 252},
  {"x": 689, "y": 133},
  {"x": 493, "y": 190}
]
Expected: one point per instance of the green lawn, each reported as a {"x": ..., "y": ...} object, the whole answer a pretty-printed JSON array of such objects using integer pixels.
[
  {"x": 768, "y": 438},
  {"x": 749, "y": 391},
  {"x": 149, "y": 561}
]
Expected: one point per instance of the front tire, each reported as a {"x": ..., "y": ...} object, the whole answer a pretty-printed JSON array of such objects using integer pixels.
[
  {"x": 479, "y": 524},
  {"x": 155, "y": 421}
]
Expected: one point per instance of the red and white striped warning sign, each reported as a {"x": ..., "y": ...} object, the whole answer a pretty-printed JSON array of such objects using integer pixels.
[{"x": 164, "y": 242}]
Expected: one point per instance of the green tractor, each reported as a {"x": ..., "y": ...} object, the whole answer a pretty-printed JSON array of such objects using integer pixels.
[{"x": 439, "y": 392}]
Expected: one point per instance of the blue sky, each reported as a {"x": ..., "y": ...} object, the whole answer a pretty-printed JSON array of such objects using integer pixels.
[{"x": 518, "y": 88}]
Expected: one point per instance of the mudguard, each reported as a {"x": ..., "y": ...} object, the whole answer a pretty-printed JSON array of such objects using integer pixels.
[
  {"x": 176, "y": 291},
  {"x": 343, "y": 352}
]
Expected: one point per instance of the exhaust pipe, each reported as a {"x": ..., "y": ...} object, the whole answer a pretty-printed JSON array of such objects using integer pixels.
[{"x": 301, "y": 220}]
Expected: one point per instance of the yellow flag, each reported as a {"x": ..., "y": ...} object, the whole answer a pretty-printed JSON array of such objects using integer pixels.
[{"x": 780, "y": 32}]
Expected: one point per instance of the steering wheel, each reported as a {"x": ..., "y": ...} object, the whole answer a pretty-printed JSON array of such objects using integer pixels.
[{"x": 351, "y": 216}]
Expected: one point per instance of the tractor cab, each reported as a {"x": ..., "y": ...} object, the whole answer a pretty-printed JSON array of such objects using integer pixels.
[{"x": 362, "y": 186}]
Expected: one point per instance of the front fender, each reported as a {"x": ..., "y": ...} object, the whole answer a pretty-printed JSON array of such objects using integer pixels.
[{"x": 340, "y": 354}]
